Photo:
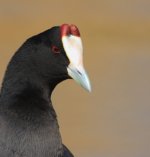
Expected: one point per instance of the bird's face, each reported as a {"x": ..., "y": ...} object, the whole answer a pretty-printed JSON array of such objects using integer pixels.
[{"x": 64, "y": 54}]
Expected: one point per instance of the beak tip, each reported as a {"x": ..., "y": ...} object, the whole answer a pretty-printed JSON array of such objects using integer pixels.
[
  {"x": 80, "y": 77},
  {"x": 88, "y": 88}
]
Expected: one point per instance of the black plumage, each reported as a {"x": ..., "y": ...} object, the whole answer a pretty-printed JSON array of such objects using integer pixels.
[{"x": 28, "y": 122}]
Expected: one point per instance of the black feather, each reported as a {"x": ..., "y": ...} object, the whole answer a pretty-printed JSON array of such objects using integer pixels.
[{"x": 28, "y": 122}]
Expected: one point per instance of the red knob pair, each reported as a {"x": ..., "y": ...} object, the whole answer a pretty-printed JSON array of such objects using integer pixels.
[{"x": 67, "y": 30}]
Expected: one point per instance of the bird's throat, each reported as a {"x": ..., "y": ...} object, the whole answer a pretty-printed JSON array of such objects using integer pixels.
[{"x": 29, "y": 110}]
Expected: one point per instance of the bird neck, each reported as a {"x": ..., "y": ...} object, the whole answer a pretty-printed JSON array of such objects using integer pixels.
[
  {"x": 25, "y": 95},
  {"x": 25, "y": 105}
]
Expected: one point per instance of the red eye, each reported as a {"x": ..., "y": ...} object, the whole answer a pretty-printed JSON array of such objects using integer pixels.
[{"x": 55, "y": 49}]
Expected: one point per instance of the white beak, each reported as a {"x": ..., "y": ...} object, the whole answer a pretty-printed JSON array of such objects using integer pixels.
[{"x": 74, "y": 51}]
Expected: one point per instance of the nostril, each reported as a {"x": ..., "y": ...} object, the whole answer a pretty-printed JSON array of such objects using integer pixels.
[{"x": 79, "y": 72}]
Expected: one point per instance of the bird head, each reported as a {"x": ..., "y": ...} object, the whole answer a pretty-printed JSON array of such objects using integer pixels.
[{"x": 55, "y": 55}]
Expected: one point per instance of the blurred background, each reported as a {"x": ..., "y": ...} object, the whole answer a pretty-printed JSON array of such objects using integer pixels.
[{"x": 113, "y": 120}]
